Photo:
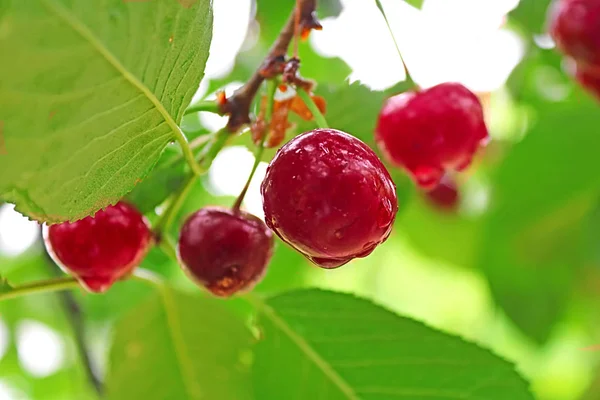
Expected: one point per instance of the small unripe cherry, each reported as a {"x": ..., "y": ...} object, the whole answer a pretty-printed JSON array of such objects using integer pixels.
[
  {"x": 575, "y": 27},
  {"x": 328, "y": 196},
  {"x": 226, "y": 251},
  {"x": 101, "y": 249},
  {"x": 432, "y": 131}
]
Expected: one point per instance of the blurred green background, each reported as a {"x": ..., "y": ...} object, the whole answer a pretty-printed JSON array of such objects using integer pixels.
[{"x": 516, "y": 268}]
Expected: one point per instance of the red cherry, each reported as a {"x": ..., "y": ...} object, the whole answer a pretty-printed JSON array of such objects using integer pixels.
[
  {"x": 575, "y": 27},
  {"x": 588, "y": 78},
  {"x": 445, "y": 195},
  {"x": 431, "y": 131},
  {"x": 328, "y": 195},
  {"x": 102, "y": 249},
  {"x": 223, "y": 250}
]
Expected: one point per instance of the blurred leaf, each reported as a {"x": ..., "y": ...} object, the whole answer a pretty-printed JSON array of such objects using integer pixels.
[
  {"x": 416, "y": 3},
  {"x": 165, "y": 179},
  {"x": 316, "y": 342},
  {"x": 5, "y": 287},
  {"x": 179, "y": 346},
  {"x": 449, "y": 237},
  {"x": 535, "y": 242},
  {"x": 531, "y": 15},
  {"x": 91, "y": 97}
]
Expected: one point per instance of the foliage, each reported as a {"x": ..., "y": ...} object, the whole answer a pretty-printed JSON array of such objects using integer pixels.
[{"x": 92, "y": 114}]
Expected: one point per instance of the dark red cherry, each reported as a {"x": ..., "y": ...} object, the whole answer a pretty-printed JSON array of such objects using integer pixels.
[
  {"x": 223, "y": 250},
  {"x": 432, "y": 131},
  {"x": 444, "y": 196},
  {"x": 327, "y": 195},
  {"x": 575, "y": 27},
  {"x": 102, "y": 249}
]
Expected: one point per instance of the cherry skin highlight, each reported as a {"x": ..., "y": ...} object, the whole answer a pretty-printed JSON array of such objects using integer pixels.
[
  {"x": 575, "y": 27},
  {"x": 444, "y": 196},
  {"x": 432, "y": 131},
  {"x": 102, "y": 249},
  {"x": 328, "y": 196},
  {"x": 223, "y": 250}
]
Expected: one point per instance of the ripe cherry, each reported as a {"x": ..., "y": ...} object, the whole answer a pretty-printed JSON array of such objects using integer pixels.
[
  {"x": 588, "y": 78},
  {"x": 431, "y": 131},
  {"x": 575, "y": 27},
  {"x": 327, "y": 195},
  {"x": 444, "y": 196},
  {"x": 102, "y": 249},
  {"x": 223, "y": 250}
]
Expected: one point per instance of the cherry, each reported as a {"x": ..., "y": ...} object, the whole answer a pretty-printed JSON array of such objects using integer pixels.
[
  {"x": 223, "y": 250},
  {"x": 575, "y": 27},
  {"x": 588, "y": 78},
  {"x": 444, "y": 196},
  {"x": 328, "y": 196},
  {"x": 431, "y": 131},
  {"x": 102, "y": 249}
]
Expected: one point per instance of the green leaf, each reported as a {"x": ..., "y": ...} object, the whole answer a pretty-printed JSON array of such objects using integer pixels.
[
  {"x": 164, "y": 180},
  {"x": 418, "y": 4},
  {"x": 319, "y": 344},
  {"x": 534, "y": 242},
  {"x": 95, "y": 92},
  {"x": 179, "y": 346},
  {"x": 5, "y": 287},
  {"x": 531, "y": 15}
]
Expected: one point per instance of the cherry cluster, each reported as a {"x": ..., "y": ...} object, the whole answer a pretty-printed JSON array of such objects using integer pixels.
[
  {"x": 325, "y": 193},
  {"x": 575, "y": 27}
]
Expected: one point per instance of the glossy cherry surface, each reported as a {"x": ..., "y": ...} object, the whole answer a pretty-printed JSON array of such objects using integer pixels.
[
  {"x": 575, "y": 27},
  {"x": 102, "y": 249},
  {"x": 223, "y": 250},
  {"x": 328, "y": 195},
  {"x": 431, "y": 131}
]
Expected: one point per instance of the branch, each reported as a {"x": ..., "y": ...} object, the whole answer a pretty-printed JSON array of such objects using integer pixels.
[
  {"x": 238, "y": 105},
  {"x": 73, "y": 312}
]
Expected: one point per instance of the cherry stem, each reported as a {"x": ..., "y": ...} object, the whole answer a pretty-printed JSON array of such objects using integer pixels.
[
  {"x": 73, "y": 313},
  {"x": 238, "y": 105},
  {"x": 205, "y": 105},
  {"x": 387, "y": 22},
  {"x": 271, "y": 89},
  {"x": 164, "y": 222},
  {"x": 188, "y": 154},
  {"x": 216, "y": 143},
  {"x": 68, "y": 283},
  {"x": 43, "y": 286},
  {"x": 317, "y": 115}
]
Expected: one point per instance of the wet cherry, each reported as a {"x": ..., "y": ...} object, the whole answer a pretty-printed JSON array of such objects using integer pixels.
[
  {"x": 102, "y": 249},
  {"x": 327, "y": 195},
  {"x": 575, "y": 27},
  {"x": 223, "y": 250},
  {"x": 432, "y": 131},
  {"x": 444, "y": 196}
]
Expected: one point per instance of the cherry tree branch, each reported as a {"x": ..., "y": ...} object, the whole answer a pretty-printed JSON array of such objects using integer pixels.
[{"x": 238, "y": 105}]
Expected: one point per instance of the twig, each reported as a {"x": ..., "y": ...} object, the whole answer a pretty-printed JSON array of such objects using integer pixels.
[
  {"x": 238, "y": 105},
  {"x": 73, "y": 313}
]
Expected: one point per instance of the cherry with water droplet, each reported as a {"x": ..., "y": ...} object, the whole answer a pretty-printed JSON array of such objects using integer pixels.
[
  {"x": 329, "y": 196},
  {"x": 101, "y": 249},
  {"x": 432, "y": 131},
  {"x": 575, "y": 27},
  {"x": 225, "y": 251}
]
